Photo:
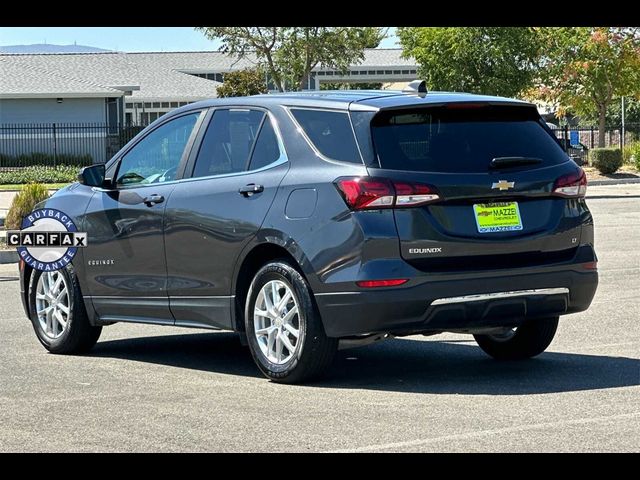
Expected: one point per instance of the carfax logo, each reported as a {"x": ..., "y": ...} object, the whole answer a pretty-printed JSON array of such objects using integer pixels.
[{"x": 48, "y": 239}]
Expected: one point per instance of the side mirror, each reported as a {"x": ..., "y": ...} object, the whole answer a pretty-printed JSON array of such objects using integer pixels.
[{"x": 93, "y": 176}]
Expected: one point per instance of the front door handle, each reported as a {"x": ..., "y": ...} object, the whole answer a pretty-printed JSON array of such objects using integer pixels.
[
  {"x": 250, "y": 189},
  {"x": 153, "y": 199}
]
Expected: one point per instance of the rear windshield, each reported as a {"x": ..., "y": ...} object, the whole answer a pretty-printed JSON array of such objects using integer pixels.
[{"x": 461, "y": 139}]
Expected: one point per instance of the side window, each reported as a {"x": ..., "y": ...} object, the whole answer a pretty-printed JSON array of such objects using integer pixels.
[
  {"x": 330, "y": 132},
  {"x": 227, "y": 142},
  {"x": 266, "y": 150},
  {"x": 155, "y": 158}
]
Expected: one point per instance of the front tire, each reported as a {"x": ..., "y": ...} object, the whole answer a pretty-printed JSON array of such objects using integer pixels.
[
  {"x": 526, "y": 341},
  {"x": 58, "y": 314},
  {"x": 284, "y": 329}
]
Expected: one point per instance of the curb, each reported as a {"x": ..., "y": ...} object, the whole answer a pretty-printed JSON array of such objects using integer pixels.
[
  {"x": 8, "y": 256},
  {"x": 615, "y": 181}
]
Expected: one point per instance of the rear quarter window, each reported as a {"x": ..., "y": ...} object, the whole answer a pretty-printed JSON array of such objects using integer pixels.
[
  {"x": 330, "y": 133},
  {"x": 461, "y": 140}
]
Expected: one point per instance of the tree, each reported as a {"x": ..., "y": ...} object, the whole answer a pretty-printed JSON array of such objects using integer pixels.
[
  {"x": 350, "y": 86},
  {"x": 587, "y": 68},
  {"x": 288, "y": 54},
  {"x": 485, "y": 60},
  {"x": 241, "y": 83},
  {"x": 631, "y": 111},
  {"x": 614, "y": 113}
]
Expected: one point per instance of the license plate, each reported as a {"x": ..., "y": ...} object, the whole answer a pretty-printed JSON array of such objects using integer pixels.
[{"x": 497, "y": 217}]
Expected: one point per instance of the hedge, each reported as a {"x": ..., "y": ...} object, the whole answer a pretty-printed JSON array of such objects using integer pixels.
[
  {"x": 59, "y": 174},
  {"x": 38, "y": 158},
  {"x": 606, "y": 160}
]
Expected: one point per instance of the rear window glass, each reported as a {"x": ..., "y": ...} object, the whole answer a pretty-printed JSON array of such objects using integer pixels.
[
  {"x": 330, "y": 132},
  {"x": 461, "y": 140}
]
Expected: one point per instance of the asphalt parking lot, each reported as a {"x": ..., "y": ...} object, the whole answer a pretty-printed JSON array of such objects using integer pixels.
[{"x": 147, "y": 388}]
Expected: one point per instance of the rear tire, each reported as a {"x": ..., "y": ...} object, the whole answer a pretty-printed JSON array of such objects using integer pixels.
[
  {"x": 64, "y": 329},
  {"x": 291, "y": 345},
  {"x": 528, "y": 340}
]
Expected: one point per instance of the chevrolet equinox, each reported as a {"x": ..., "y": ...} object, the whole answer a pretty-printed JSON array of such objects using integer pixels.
[{"x": 317, "y": 220}]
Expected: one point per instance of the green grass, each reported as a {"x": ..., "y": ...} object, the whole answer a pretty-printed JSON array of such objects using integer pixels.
[{"x": 18, "y": 186}]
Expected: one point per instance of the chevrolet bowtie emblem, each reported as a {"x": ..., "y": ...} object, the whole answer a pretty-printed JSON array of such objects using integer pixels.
[{"x": 503, "y": 185}]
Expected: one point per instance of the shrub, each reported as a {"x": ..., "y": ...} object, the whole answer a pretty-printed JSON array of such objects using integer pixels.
[
  {"x": 627, "y": 153},
  {"x": 23, "y": 204},
  {"x": 249, "y": 81},
  {"x": 606, "y": 160},
  {"x": 59, "y": 174},
  {"x": 631, "y": 154}
]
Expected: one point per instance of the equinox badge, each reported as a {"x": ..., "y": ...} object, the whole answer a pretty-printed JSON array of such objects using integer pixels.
[{"x": 502, "y": 185}]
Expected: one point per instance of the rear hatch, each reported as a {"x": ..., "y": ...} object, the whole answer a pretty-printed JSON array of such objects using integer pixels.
[{"x": 506, "y": 194}]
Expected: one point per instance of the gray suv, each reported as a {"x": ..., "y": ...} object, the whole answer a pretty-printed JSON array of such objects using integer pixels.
[{"x": 309, "y": 221}]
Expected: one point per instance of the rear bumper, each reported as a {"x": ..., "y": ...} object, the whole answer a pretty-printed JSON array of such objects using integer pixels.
[{"x": 427, "y": 304}]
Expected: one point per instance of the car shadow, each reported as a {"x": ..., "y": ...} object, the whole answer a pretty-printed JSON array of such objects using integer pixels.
[{"x": 400, "y": 365}]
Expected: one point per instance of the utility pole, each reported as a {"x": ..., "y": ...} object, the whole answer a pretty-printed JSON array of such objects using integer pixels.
[{"x": 622, "y": 139}]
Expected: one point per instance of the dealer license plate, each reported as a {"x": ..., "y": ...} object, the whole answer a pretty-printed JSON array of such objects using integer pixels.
[{"x": 497, "y": 217}]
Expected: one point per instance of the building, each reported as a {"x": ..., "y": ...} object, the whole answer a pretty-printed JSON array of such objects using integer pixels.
[
  {"x": 137, "y": 88},
  {"x": 25, "y": 79},
  {"x": 41, "y": 89},
  {"x": 91, "y": 103},
  {"x": 154, "y": 99}
]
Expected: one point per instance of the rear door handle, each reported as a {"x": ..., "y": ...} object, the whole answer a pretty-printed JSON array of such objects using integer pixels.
[
  {"x": 153, "y": 199},
  {"x": 250, "y": 189}
]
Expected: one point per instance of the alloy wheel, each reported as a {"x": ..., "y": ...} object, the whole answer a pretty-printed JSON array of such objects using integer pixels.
[
  {"x": 52, "y": 303},
  {"x": 276, "y": 321}
]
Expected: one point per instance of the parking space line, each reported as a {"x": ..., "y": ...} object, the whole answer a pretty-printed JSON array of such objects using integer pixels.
[{"x": 463, "y": 436}]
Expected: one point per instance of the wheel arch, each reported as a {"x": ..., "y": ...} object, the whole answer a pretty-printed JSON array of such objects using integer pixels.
[{"x": 255, "y": 257}]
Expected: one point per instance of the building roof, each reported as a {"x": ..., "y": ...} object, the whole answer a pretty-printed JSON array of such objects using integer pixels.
[
  {"x": 193, "y": 62},
  {"x": 164, "y": 75},
  {"x": 150, "y": 76},
  {"x": 196, "y": 62},
  {"x": 385, "y": 57},
  {"x": 20, "y": 80},
  {"x": 145, "y": 76}
]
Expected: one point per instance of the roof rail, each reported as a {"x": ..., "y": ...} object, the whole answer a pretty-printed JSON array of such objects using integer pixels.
[{"x": 418, "y": 87}]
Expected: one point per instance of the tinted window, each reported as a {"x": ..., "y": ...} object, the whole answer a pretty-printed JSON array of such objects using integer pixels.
[
  {"x": 227, "y": 143},
  {"x": 266, "y": 150},
  {"x": 330, "y": 132},
  {"x": 156, "y": 157},
  {"x": 461, "y": 139}
]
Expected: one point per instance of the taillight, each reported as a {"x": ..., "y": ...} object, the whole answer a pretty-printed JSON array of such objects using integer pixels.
[
  {"x": 572, "y": 185},
  {"x": 365, "y": 192},
  {"x": 410, "y": 194},
  {"x": 362, "y": 193}
]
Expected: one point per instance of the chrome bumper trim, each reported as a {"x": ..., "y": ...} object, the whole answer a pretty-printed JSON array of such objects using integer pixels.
[{"x": 498, "y": 295}]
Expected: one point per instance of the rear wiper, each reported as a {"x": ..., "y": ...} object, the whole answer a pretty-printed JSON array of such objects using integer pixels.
[{"x": 506, "y": 162}]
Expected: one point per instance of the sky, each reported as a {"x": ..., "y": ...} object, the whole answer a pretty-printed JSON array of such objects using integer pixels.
[{"x": 126, "y": 39}]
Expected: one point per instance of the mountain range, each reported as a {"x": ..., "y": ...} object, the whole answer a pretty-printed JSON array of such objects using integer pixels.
[{"x": 50, "y": 48}]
